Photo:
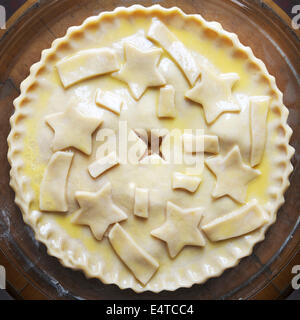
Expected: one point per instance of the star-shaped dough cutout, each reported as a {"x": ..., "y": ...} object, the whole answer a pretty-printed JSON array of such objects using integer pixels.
[
  {"x": 140, "y": 70},
  {"x": 97, "y": 210},
  {"x": 180, "y": 228},
  {"x": 72, "y": 129},
  {"x": 233, "y": 175},
  {"x": 214, "y": 92}
]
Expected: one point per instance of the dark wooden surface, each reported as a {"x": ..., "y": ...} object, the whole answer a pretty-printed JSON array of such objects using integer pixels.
[{"x": 14, "y": 5}]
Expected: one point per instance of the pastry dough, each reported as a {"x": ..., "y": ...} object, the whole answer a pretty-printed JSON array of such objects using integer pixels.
[
  {"x": 200, "y": 143},
  {"x": 103, "y": 164},
  {"x": 166, "y": 103},
  {"x": 53, "y": 187},
  {"x": 141, "y": 202},
  {"x": 232, "y": 175},
  {"x": 97, "y": 210},
  {"x": 140, "y": 70},
  {"x": 141, "y": 263},
  {"x": 160, "y": 33},
  {"x": 109, "y": 100},
  {"x": 180, "y": 229},
  {"x": 236, "y": 223},
  {"x": 72, "y": 129},
  {"x": 259, "y": 107},
  {"x": 183, "y": 181},
  {"x": 81, "y": 135},
  {"x": 211, "y": 144},
  {"x": 86, "y": 64},
  {"x": 214, "y": 92}
]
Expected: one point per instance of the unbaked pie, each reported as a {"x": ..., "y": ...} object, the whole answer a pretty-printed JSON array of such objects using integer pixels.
[{"x": 149, "y": 148}]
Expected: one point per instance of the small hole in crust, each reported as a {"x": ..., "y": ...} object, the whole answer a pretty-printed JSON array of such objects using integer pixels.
[
  {"x": 253, "y": 67},
  {"x": 51, "y": 57},
  {"x": 282, "y": 149},
  {"x": 263, "y": 79},
  {"x": 64, "y": 245},
  {"x": 211, "y": 34},
  {"x": 16, "y": 136},
  {"x": 273, "y": 94},
  {"x": 92, "y": 26},
  {"x": 225, "y": 42},
  {"x": 20, "y": 118},
  {"x": 64, "y": 46},
  {"x": 185, "y": 25},
  {"x": 193, "y": 24},
  {"x": 273, "y": 196},
  {"x": 279, "y": 181},
  {"x": 76, "y": 35},
  {"x": 76, "y": 255},
  {"x": 282, "y": 166},
  {"x": 276, "y": 110},
  {"x": 33, "y": 87},
  {"x": 49, "y": 234},
  {"x": 17, "y": 152},
  {"x": 281, "y": 131},
  {"x": 240, "y": 54},
  {"x": 42, "y": 70},
  {"x": 24, "y": 101}
]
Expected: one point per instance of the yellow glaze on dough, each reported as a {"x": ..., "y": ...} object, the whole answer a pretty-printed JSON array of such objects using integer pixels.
[
  {"x": 259, "y": 188},
  {"x": 233, "y": 224}
]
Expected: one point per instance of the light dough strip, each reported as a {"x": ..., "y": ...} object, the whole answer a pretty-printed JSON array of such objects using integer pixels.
[
  {"x": 159, "y": 33},
  {"x": 53, "y": 187},
  {"x": 86, "y": 64},
  {"x": 236, "y": 223},
  {"x": 141, "y": 263}
]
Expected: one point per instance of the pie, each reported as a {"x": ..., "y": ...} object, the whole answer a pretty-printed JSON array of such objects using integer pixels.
[{"x": 149, "y": 148}]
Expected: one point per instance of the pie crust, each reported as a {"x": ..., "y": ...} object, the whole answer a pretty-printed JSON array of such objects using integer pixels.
[{"x": 150, "y": 225}]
